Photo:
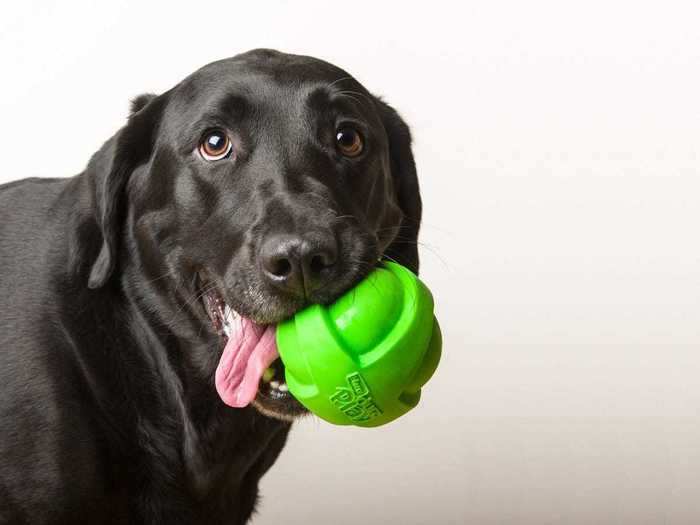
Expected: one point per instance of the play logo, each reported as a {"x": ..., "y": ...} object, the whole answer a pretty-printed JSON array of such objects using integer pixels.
[{"x": 355, "y": 400}]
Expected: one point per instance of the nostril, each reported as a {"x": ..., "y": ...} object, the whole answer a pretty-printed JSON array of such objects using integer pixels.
[
  {"x": 279, "y": 266},
  {"x": 318, "y": 263}
]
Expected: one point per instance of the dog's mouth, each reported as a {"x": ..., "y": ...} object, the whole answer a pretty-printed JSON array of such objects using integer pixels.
[{"x": 250, "y": 371}]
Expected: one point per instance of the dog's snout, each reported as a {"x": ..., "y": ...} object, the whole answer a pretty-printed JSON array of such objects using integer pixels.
[{"x": 299, "y": 264}]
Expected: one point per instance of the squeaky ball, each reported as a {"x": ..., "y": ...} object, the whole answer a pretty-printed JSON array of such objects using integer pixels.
[{"x": 363, "y": 359}]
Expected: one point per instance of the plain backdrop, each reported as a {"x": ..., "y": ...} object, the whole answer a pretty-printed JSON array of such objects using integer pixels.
[{"x": 558, "y": 150}]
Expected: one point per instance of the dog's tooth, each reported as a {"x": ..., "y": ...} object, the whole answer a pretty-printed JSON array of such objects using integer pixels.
[
  {"x": 228, "y": 315},
  {"x": 283, "y": 387},
  {"x": 275, "y": 384}
]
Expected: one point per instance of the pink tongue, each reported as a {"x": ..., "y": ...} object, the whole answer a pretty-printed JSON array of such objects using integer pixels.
[{"x": 250, "y": 349}]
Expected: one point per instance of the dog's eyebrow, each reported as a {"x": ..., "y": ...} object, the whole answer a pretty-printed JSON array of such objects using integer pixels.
[
  {"x": 333, "y": 96},
  {"x": 220, "y": 114},
  {"x": 234, "y": 106},
  {"x": 348, "y": 87},
  {"x": 360, "y": 98}
]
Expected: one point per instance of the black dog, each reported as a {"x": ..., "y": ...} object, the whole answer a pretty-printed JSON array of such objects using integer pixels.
[{"x": 138, "y": 298}]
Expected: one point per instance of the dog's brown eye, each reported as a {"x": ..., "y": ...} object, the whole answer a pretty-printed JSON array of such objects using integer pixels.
[
  {"x": 349, "y": 141},
  {"x": 215, "y": 145}
]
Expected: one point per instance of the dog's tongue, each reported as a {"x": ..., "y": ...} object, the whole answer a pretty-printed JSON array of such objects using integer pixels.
[{"x": 250, "y": 349}]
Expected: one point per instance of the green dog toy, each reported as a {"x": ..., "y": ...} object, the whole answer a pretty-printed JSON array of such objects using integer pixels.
[{"x": 363, "y": 359}]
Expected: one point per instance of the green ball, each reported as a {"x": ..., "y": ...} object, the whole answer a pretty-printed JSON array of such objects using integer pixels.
[{"x": 363, "y": 359}]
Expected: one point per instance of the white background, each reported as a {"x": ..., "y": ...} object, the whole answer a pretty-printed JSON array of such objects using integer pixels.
[{"x": 558, "y": 149}]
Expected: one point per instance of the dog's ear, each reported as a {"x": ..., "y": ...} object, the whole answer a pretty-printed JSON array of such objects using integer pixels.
[
  {"x": 140, "y": 102},
  {"x": 404, "y": 248},
  {"x": 109, "y": 170}
]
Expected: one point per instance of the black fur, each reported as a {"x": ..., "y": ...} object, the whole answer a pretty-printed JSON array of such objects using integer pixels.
[{"x": 108, "y": 412}]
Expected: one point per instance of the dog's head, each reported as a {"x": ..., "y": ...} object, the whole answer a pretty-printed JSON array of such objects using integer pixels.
[{"x": 256, "y": 186}]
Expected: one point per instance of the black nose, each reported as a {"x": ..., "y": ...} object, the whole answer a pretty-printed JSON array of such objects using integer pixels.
[{"x": 299, "y": 264}]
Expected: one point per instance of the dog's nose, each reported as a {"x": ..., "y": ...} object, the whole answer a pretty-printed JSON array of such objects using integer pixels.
[{"x": 299, "y": 264}]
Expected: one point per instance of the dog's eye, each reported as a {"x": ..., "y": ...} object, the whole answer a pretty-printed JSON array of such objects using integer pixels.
[
  {"x": 349, "y": 141},
  {"x": 215, "y": 145}
]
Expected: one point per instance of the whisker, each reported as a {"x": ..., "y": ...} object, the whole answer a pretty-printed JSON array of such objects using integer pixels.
[
  {"x": 350, "y": 96},
  {"x": 350, "y": 92},
  {"x": 196, "y": 296},
  {"x": 339, "y": 217},
  {"x": 336, "y": 81},
  {"x": 166, "y": 274}
]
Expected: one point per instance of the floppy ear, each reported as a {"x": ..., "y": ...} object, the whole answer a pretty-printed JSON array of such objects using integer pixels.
[
  {"x": 404, "y": 248},
  {"x": 109, "y": 170}
]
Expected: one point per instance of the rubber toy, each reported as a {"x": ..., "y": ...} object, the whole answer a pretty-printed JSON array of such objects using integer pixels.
[{"x": 363, "y": 359}]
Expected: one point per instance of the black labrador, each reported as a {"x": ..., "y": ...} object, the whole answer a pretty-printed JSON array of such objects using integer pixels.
[{"x": 138, "y": 372}]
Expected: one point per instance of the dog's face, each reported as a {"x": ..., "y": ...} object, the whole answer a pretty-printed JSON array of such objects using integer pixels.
[{"x": 258, "y": 185}]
